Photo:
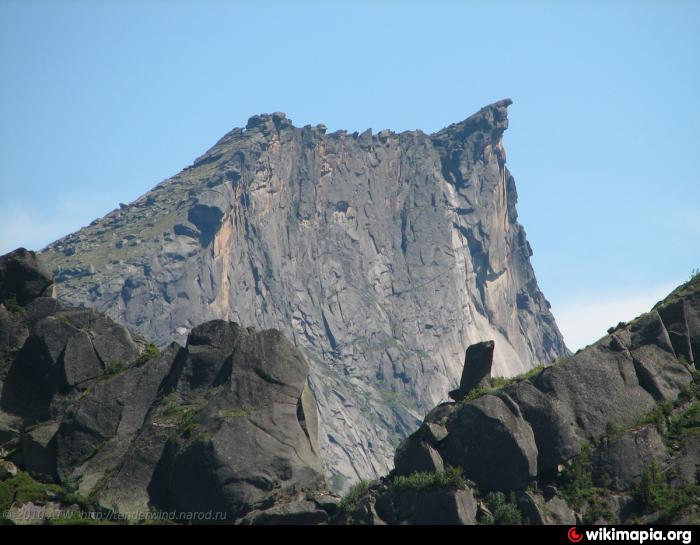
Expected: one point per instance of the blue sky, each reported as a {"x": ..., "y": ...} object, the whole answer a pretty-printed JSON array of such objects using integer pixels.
[{"x": 100, "y": 101}]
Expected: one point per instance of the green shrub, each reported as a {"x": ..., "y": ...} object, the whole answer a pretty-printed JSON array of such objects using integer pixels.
[
  {"x": 508, "y": 514},
  {"x": 487, "y": 519},
  {"x": 357, "y": 491},
  {"x": 651, "y": 491},
  {"x": 114, "y": 367},
  {"x": 476, "y": 393},
  {"x": 654, "y": 494},
  {"x": 71, "y": 498},
  {"x": 174, "y": 414},
  {"x": 576, "y": 481},
  {"x": 689, "y": 288},
  {"x": 504, "y": 509},
  {"x": 188, "y": 424},
  {"x": 683, "y": 425},
  {"x": 658, "y": 415},
  {"x": 612, "y": 429},
  {"x": 424, "y": 480},
  {"x": 148, "y": 354},
  {"x": 599, "y": 510},
  {"x": 694, "y": 275},
  {"x": 692, "y": 390}
]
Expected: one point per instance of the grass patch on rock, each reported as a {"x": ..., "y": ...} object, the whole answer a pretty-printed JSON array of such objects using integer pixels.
[
  {"x": 424, "y": 480},
  {"x": 23, "y": 488},
  {"x": 114, "y": 367},
  {"x": 148, "y": 354},
  {"x": 498, "y": 383},
  {"x": 233, "y": 413}
]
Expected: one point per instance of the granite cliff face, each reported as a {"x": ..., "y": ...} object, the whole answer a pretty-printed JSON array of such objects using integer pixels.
[{"x": 382, "y": 257}]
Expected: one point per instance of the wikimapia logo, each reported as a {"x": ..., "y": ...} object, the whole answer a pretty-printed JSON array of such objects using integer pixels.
[
  {"x": 636, "y": 536},
  {"x": 573, "y": 535}
]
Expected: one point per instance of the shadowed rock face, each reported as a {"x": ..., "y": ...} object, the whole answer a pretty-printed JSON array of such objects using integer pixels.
[
  {"x": 478, "y": 362},
  {"x": 237, "y": 431},
  {"x": 22, "y": 277},
  {"x": 225, "y": 424},
  {"x": 381, "y": 256}
]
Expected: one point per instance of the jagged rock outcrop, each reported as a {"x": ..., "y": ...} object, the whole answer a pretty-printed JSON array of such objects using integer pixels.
[
  {"x": 615, "y": 425},
  {"x": 381, "y": 256},
  {"x": 237, "y": 428},
  {"x": 504, "y": 439},
  {"x": 23, "y": 278},
  {"x": 478, "y": 362},
  {"x": 224, "y": 425}
]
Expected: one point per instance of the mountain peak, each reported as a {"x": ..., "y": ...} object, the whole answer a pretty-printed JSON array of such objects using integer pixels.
[
  {"x": 493, "y": 117},
  {"x": 371, "y": 253},
  {"x": 277, "y": 120}
]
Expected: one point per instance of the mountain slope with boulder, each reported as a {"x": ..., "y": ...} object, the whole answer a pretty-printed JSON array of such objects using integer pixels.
[
  {"x": 608, "y": 435},
  {"x": 381, "y": 256}
]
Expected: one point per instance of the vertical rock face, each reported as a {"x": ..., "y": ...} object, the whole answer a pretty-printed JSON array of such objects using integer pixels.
[{"x": 382, "y": 257}]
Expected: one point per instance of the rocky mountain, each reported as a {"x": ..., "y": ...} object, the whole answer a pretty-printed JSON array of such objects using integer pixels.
[
  {"x": 94, "y": 419},
  {"x": 609, "y": 435},
  {"x": 381, "y": 256}
]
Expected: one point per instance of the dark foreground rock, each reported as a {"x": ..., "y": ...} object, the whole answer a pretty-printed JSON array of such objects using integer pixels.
[
  {"x": 230, "y": 430},
  {"x": 225, "y": 425},
  {"x": 23, "y": 278},
  {"x": 412, "y": 501},
  {"x": 608, "y": 434},
  {"x": 477, "y": 369}
]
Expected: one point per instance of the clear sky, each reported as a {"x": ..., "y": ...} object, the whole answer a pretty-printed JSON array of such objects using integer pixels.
[{"x": 99, "y": 101}]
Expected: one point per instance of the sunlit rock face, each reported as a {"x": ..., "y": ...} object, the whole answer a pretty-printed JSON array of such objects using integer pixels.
[{"x": 381, "y": 256}]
